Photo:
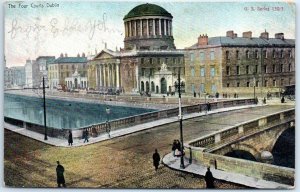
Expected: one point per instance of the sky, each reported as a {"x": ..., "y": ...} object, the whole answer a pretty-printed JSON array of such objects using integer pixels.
[{"x": 35, "y": 28}]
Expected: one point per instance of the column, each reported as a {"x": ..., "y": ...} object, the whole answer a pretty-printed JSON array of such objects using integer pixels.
[
  {"x": 141, "y": 27},
  {"x": 137, "y": 77},
  {"x": 100, "y": 75},
  {"x": 104, "y": 75},
  {"x": 135, "y": 30},
  {"x": 117, "y": 76},
  {"x": 159, "y": 26},
  {"x": 153, "y": 28},
  {"x": 165, "y": 27},
  {"x": 171, "y": 32},
  {"x": 130, "y": 29},
  {"x": 147, "y": 20},
  {"x": 96, "y": 77}
]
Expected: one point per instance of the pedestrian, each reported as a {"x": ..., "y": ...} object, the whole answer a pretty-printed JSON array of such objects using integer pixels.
[
  {"x": 256, "y": 100},
  {"x": 174, "y": 147},
  {"x": 200, "y": 108},
  {"x": 209, "y": 179},
  {"x": 282, "y": 100},
  {"x": 86, "y": 136},
  {"x": 60, "y": 175},
  {"x": 156, "y": 159},
  {"x": 264, "y": 100},
  {"x": 70, "y": 140},
  {"x": 107, "y": 126},
  {"x": 194, "y": 94}
]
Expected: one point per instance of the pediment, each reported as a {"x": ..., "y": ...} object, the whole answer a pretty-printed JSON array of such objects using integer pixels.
[{"x": 104, "y": 55}]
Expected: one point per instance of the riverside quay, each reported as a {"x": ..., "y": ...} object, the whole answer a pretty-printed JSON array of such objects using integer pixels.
[{"x": 119, "y": 95}]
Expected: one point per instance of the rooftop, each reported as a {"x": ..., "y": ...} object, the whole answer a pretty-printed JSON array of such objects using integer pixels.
[
  {"x": 147, "y": 10},
  {"x": 69, "y": 60}
]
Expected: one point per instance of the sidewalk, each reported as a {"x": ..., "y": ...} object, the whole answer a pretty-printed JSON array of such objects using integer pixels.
[
  {"x": 198, "y": 169},
  {"x": 114, "y": 133}
]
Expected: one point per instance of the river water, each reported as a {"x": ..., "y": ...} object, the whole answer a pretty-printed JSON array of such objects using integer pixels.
[{"x": 64, "y": 114}]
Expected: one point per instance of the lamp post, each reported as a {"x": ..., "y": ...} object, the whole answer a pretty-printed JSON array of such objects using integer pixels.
[
  {"x": 180, "y": 121},
  {"x": 44, "y": 100},
  {"x": 107, "y": 121}
]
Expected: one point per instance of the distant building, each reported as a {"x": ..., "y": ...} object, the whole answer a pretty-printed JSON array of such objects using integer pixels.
[
  {"x": 14, "y": 77},
  {"x": 149, "y": 61},
  {"x": 63, "y": 67},
  {"x": 233, "y": 64},
  {"x": 42, "y": 62},
  {"x": 32, "y": 78}
]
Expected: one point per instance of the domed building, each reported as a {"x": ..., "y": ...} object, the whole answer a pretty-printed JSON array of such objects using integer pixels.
[
  {"x": 149, "y": 62},
  {"x": 148, "y": 27}
]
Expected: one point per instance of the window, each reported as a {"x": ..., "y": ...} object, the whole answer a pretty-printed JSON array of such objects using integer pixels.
[
  {"x": 143, "y": 71},
  {"x": 227, "y": 70},
  {"x": 256, "y": 83},
  {"x": 227, "y": 55},
  {"x": 274, "y": 68},
  {"x": 142, "y": 60},
  {"x": 192, "y": 57},
  {"x": 193, "y": 88},
  {"x": 174, "y": 60},
  {"x": 238, "y": 84},
  {"x": 158, "y": 60},
  {"x": 192, "y": 72},
  {"x": 202, "y": 56},
  {"x": 274, "y": 83},
  {"x": 150, "y": 61},
  {"x": 266, "y": 83},
  {"x": 213, "y": 88},
  {"x": 265, "y": 68},
  {"x": 274, "y": 54},
  {"x": 237, "y": 70},
  {"x": 228, "y": 85},
  {"x": 247, "y": 69},
  {"x": 212, "y": 55},
  {"x": 202, "y": 71},
  {"x": 166, "y": 60},
  {"x": 281, "y": 68},
  {"x": 151, "y": 72},
  {"x": 282, "y": 82},
  {"x": 265, "y": 54},
  {"x": 237, "y": 55},
  {"x": 256, "y": 54},
  {"x": 212, "y": 71},
  {"x": 247, "y": 54},
  {"x": 290, "y": 67},
  {"x": 281, "y": 54},
  {"x": 202, "y": 90},
  {"x": 248, "y": 84}
]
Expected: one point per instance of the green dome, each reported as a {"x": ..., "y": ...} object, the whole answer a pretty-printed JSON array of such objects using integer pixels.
[{"x": 147, "y": 10}]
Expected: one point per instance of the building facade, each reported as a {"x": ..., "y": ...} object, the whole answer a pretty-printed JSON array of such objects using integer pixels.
[
  {"x": 148, "y": 62},
  {"x": 241, "y": 63},
  {"x": 42, "y": 62},
  {"x": 14, "y": 77},
  {"x": 63, "y": 67},
  {"x": 32, "y": 78}
]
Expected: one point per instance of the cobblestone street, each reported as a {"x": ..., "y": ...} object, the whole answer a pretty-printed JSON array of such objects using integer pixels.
[{"x": 124, "y": 162}]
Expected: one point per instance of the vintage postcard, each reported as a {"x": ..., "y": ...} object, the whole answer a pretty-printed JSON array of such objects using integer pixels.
[{"x": 149, "y": 94}]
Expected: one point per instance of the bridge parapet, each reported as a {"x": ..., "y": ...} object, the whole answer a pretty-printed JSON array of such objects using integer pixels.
[{"x": 209, "y": 150}]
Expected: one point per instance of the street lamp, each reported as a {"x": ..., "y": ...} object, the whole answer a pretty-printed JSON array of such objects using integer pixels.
[
  {"x": 107, "y": 121},
  {"x": 44, "y": 100},
  {"x": 180, "y": 120}
]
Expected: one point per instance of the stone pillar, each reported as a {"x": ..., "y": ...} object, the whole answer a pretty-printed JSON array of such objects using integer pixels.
[
  {"x": 153, "y": 28},
  {"x": 104, "y": 76},
  {"x": 117, "y": 76},
  {"x": 135, "y": 30},
  {"x": 159, "y": 26},
  {"x": 137, "y": 77},
  {"x": 171, "y": 31},
  {"x": 96, "y": 77},
  {"x": 141, "y": 27},
  {"x": 130, "y": 29},
  {"x": 165, "y": 27},
  {"x": 100, "y": 75},
  {"x": 148, "y": 32},
  {"x": 125, "y": 26}
]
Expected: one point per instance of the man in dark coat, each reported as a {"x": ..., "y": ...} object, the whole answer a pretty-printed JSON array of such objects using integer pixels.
[
  {"x": 209, "y": 179},
  {"x": 174, "y": 147},
  {"x": 86, "y": 136},
  {"x": 70, "y": 140},
  {"x": 60, "y": 175},
  {"x": 156, "y": 159}
]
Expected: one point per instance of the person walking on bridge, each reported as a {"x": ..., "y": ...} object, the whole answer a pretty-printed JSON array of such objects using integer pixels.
[
  {"x": 60, "y": 175},
  {"x": 209, "y": 179}
]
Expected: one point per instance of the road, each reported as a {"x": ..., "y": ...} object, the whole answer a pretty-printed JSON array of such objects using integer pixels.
[{"x": 124, "y": 162}]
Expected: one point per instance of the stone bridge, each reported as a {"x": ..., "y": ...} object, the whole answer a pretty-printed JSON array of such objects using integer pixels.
[{"x": 256, "y": 137}]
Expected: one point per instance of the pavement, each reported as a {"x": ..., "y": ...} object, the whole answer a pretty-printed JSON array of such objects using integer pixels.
[{"x": 198, "y": 169}]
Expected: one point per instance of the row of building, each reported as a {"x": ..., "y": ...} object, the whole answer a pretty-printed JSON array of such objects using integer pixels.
[{"x": 151, "y": 63}]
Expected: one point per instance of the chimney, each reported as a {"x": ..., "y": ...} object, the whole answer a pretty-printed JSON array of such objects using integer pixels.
[
  {"x": 230, "y": 34},
  {"x": 66, "y": 55},
  {"x": 235, "y": 35},
  {"x": 279, "y": 36},
  {"x": 83, "y": 54},
  {"x": 78, "y": 55},
  {"x": 264, "y": 35},
  {"x": 105, "y": 45},
  {"x": 203, "y": 40},
  {"x": 247, "y": 34},
  {"x": 61, "y": 55}
]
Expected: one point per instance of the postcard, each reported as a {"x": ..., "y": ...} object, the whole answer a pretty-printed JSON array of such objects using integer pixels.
[{"x": 149, "y": 95}]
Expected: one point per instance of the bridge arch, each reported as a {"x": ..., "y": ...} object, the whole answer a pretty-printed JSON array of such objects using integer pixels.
[
  {"x": 243, "y": 147},
  {"x": 277, "y": 135}
]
